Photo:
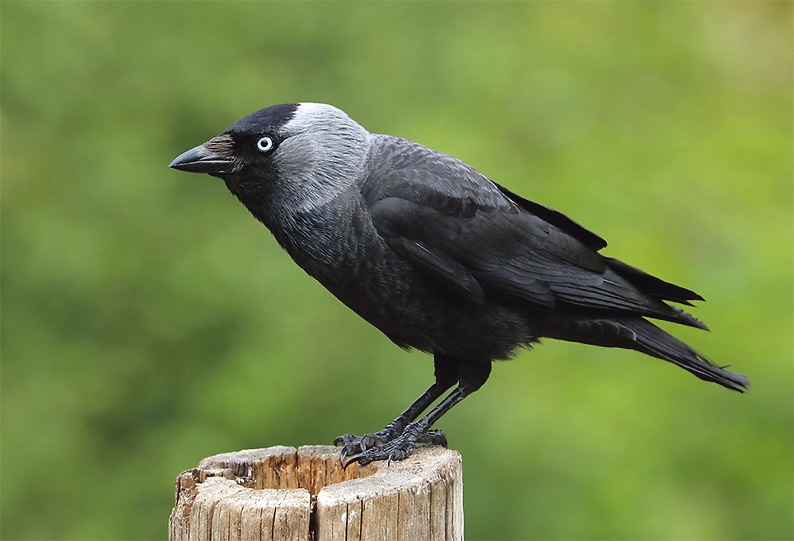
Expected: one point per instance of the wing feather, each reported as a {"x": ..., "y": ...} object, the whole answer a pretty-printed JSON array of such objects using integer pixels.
[{"x": 481, "y": 240}]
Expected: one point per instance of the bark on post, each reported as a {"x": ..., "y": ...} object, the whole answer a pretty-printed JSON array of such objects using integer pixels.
[{"x": 284, "y": 493}]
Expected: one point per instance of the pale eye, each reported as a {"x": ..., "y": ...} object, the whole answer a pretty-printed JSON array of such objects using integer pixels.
[{"x": 265, "y": 144}]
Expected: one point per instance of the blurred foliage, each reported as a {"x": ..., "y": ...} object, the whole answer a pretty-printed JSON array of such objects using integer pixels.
[{"x": 148, "y": 321}]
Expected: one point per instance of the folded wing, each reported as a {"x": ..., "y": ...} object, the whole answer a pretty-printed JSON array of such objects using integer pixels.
[{"x": 480, "y": 240}]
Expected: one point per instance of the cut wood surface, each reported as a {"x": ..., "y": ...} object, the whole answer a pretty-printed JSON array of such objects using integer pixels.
[{"x": 284, "y": 493}]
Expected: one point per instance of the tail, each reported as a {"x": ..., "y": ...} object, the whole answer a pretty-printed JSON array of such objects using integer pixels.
[{"x": 641, "y": 335}]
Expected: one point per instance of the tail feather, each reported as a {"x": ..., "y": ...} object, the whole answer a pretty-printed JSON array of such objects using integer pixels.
[
  {"x": 654, "y": 341},
  {"x": 641, "y": 335}
]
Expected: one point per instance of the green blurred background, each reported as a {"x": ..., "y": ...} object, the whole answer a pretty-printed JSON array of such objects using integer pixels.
[{"x": 149, "y": 321}]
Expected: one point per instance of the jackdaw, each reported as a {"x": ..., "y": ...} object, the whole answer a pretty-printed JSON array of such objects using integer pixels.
[{"x": 437, "y": 256}]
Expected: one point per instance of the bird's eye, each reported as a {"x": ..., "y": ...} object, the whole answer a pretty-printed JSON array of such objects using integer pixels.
[{"x": 265, "y": 144}]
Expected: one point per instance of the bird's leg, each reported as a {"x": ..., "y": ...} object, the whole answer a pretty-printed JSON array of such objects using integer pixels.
[
  {"x": 472, "y": 377},
  {"x": 353, "y": 445},
  {"x": 446, "y": 374}
]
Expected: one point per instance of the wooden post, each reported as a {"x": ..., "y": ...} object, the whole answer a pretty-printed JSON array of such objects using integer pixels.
[{"x": 283, "y": 493}]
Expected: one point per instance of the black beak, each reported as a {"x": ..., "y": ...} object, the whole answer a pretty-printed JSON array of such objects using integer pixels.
[{"x": 202, "y": 160}]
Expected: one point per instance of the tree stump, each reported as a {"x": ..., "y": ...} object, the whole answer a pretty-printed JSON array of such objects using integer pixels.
[{"x": 284, "y": 493}]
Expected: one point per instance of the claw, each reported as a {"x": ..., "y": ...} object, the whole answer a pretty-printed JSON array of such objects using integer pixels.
[
  {"x": 356, "y": 459},
  {"x": 353, "y": 447},
  {"x": 393, "y": 456}
]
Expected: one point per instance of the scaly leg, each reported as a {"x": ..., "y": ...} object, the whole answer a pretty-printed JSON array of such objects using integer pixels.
[
  {"x": 446, "y": 374},
  {"x": 472, "y": 375}
]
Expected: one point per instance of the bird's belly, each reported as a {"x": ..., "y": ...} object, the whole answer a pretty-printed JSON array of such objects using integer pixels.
[{"x": 415, "y": 311}]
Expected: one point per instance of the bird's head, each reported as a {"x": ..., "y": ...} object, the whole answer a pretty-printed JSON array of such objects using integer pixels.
[{"x": 299, "y": 155}]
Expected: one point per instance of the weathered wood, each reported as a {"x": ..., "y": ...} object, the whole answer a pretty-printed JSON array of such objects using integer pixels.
[{"x": 284, "y": 493}]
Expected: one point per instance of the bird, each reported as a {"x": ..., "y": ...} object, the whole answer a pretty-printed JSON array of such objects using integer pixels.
[{"x": 438, "y": 257}]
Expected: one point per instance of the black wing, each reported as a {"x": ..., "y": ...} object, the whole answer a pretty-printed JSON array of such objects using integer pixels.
[{"x": 479, "y": 240}]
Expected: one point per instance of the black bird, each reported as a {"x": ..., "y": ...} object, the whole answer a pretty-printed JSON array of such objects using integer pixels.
[{"x": 436, "y": 256}]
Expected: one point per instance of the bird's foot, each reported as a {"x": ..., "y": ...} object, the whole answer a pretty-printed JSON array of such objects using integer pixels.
[
  {"x": 353, "y": 445},
  {"x": 386, "y": 445}
]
